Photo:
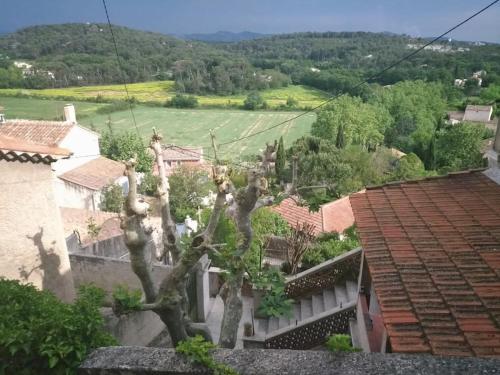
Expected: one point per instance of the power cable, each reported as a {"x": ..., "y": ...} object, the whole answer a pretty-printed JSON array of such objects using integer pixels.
[
  {"x": 365, "y": 80},
  {"x": 121, "y": 67}
]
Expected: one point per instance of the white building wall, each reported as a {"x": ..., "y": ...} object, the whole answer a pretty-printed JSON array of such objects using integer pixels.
[
  {"x": 478, "y": 116},
  {"x": 83, "y": 143},
  {"x": 76, "y": 196}
]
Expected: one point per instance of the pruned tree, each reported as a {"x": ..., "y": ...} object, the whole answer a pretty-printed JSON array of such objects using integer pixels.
[
  {"x": 170, "y": 301},
  {"x": 298, "y": 242}
]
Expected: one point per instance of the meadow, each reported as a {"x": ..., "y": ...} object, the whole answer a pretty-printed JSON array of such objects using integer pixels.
[
  {"x": 178, "y": 126},
  {"x": 161, "y": 91}
]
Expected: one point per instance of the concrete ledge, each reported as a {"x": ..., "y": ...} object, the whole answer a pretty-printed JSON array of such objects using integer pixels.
[{"x": 139, "y": 360}]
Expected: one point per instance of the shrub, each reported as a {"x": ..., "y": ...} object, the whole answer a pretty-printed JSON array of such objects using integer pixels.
[
  {"x": 254, "y": 101},
  {"x": 39, "y": 334},
  {"x": 197, "y": 350},
  {"x": 340, "y": 343},
  {"x": 182, "y": 101},
  {"x": 148, "y": 184},
  {"x": 112, "y": 198},
  {"x": 121, "y": 105},
  {"x": 126, "y": 300},
  {"x": 275, "y": 302}
]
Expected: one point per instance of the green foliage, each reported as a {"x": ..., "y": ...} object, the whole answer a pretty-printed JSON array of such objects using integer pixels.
[
  {"x": 39, "y": 334},
  {"x": 361, "y": 123},
  {"x": 291, "y": 102},
  {"x": 329, "y": 246},
  {"x": 187, "y": 188},
  {"x": 280, "y": 161},
  {"x": 125, "y": 145},
  {"x": 126, "y": 300},
  {"x": 197, "y": 351},
  {"x": 275, "y": 302},
  {"x": 254, "y": 101},
  {"x": 112, "y": 198},
  {"x": 459, "y": 147},
  {"x": 116, "y": 106},
  {"x": 183, "y": 101},
  {"x": 409, "y": 167},
  {"x": 148, "y": 184},
  {"x": 340, "y": 343}
]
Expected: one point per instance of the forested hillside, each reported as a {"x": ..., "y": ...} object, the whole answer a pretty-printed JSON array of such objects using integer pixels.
[{"x": 83, "y": 54}]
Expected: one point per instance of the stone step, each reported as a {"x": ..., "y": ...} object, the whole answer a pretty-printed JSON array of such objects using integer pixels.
[
  {"x": 261, "y": 327},
  {"x": 352, "y": 290},
  {"x": 329, "y": 299},
  {"x": 341, "y": 295},
  {"x": 305, "y": 308},
  {"x": 283, "y": 322},
  {"x": 272, "y": 324},
  {"x": 318, "y": 306}
]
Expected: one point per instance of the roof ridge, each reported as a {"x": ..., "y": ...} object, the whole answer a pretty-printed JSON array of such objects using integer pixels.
[{"x": 427, "y": 178}]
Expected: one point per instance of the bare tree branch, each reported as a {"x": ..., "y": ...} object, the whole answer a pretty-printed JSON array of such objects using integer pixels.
[{"x": 170, "y": 238}]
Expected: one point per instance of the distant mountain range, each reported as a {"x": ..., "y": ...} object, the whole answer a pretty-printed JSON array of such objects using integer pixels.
[{"x": 225, "y": 36}]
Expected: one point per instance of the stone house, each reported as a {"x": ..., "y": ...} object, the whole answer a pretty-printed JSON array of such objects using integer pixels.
[
  {"x": 176, "y": 156},
  {"x": 32, "y": 244}
]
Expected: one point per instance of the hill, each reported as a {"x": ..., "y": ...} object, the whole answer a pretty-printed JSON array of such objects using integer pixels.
[
  {"x": 83, "y": 54},
  {"x": 225, "y": 36}
]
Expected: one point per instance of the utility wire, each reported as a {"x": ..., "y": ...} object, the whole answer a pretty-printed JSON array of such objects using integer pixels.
[
  {"x": 410, "y": 55},
  {"x": 121, "y": 67}
]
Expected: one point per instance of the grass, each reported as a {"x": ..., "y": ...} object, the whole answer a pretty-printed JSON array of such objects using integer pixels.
[
  {"x": 38, "y": 109},
  {"x": 160, "y": 91},
  {"x": 178, "y": 126}
]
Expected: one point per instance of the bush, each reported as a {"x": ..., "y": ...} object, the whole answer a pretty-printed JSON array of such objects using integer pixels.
[
  {"x": 121, "y": 105},
  {"x": 182, "y": 101},
  {"x": 126, "y": 300},
  {"x": 328, "y": 246},
  {"x": 112, "y": 198},
  {"x": 39, "y": 334},
  {"x": 340, "y": 343},
  {"x": 149, "y": 184},
  {"x": 254, "y": 101}
]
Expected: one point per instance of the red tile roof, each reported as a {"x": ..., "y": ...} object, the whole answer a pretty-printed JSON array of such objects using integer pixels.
[
  {"x": 78, "y": 219},
  {"x": 49, "y": 133},
  {"x": 334, "y": 216},
  {"x": 13, "y": 149},
  {"x": 433, "y": 251},
  {"x": 95, "y": 174},
  {"x": 184, "y": 153}
]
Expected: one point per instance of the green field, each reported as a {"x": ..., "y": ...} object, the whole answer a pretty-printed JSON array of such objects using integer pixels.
[
  {"x": 178, "y": 126},
  {"x": 160, "y": 91}
]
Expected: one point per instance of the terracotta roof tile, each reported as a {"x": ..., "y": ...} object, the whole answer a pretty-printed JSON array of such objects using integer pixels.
[
  {"x": 185, "y": 153},
  {"x": 334, "y": 216},
  {"x": 433, "y": 251},
  {"x": 14, "y": 149},
  {"x": 49, "y": 133},
  {"x": 95, "y": 174}
]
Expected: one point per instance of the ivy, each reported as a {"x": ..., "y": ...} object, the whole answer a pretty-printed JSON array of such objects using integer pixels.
[{"x": 197, "y": 351}]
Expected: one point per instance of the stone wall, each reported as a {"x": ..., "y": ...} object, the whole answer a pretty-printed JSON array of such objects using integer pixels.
[
  {"x": 32, "y": 245},
  {"x": 106, "y": 273},
  {"x": 144, "y": 361}
]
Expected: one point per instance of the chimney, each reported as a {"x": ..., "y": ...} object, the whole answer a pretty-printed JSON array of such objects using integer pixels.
[{"x": 69, "y": 113}]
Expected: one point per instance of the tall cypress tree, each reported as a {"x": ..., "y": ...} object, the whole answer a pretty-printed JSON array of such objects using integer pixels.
[
  {"x": 340, "y": 142},
  {"x": 280, "y": 160}
]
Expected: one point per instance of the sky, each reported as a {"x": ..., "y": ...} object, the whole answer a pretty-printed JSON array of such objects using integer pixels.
[{"x": 417, "y": 18}]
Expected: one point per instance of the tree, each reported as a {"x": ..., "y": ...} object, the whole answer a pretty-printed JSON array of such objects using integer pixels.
[
  {"x": 188, "y": 186},
  {"x": 362, "y": 123},
  {"x": 112, "y": 198},
  {"x": 183, "y": 101},
  {"x": 409, "y": 167},
  {"x": 126, "y": 145},
  {"x": 170, "y": 300},
  {"x": 459, "y": 147},
  {"x": 280, "y": 161},
  {"x": 340, "y": 142},
  {"x": 254, "y": 101}
]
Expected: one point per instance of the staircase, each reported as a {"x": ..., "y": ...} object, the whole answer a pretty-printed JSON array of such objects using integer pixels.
[{"x": 325, "y": 301}]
